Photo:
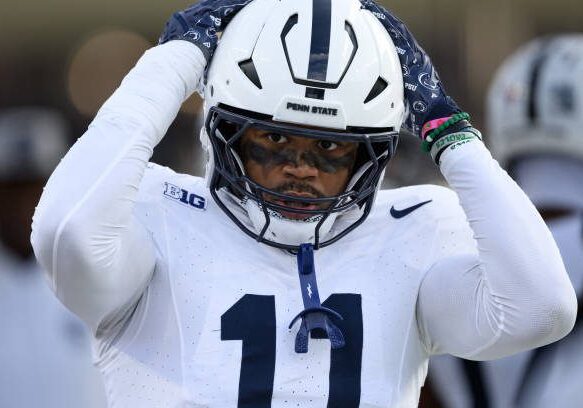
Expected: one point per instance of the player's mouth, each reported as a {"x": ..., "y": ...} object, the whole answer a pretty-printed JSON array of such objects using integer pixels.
[{"x": 298, "y": 204}]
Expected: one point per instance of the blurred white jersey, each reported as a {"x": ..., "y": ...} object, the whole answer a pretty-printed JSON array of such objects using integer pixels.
[
  {"x": 212, "y": 326},
  {"x": 546, "y": 377},
  {"x": 45, "y": 350}
]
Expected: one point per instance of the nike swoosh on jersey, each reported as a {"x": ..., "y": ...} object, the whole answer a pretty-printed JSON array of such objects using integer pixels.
[{"x": 406, "y": 211}]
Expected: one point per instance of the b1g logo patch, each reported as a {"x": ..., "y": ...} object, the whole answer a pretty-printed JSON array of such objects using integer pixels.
[{"x": 181, "y": 195}]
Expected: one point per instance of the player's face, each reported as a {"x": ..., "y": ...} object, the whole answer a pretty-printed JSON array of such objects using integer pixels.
[{"x": 297, "y": 166}]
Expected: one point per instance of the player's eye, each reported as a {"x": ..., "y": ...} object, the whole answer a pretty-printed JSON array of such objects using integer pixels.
[
  {"x": 327, "y": 145},
  {"x": 276, "y": 138}
]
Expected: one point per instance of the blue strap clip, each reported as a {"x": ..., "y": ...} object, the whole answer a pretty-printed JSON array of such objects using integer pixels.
[{"x": 314, "y": 316}]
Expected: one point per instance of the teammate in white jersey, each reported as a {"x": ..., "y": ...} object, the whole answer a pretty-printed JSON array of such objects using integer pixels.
[
  {"x": 45, "y": 350},
  {"x": 535, "y": 117},
  {"x": 285, "y": 278}
]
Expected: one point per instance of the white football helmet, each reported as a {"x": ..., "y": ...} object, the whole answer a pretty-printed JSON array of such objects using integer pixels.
[
  {"x": 535, "y": 103},
  {"x": 534, "y": 119},
  {"x": 317, "y": 69}
]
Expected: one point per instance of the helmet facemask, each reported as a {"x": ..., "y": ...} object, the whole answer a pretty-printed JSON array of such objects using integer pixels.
[
  {"x": 265, "y": 207},
  {"x": 324, "y": 70}
]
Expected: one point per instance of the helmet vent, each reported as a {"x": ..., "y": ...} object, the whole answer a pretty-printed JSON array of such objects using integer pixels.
[
  {"x": 378, "y": 87},
  {"x": 250, "y": 72},
  {"x": 318, "y": 60}
]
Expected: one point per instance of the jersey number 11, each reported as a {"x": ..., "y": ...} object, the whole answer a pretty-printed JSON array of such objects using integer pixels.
[{"x": 252, "y": 320}]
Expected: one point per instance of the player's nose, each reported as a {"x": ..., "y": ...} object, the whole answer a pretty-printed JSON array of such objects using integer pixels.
[{"x": 300, "y": 168}]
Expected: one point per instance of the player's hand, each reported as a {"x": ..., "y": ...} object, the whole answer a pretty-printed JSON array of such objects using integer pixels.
[
  {"x": 425, "y": 97},
  {"x": 201, "y": 22}
]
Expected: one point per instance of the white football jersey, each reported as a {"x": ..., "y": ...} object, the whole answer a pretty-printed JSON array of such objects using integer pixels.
[
  {"x": 541, "y": 378},
  {"x": 212, "y": 327}
]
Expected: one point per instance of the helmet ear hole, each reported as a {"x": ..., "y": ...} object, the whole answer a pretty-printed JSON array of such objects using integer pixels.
[
  {"x": 363, "y": 164},
  {"x": 362, "y": 157},
  {"x": 227, "y": 129}
]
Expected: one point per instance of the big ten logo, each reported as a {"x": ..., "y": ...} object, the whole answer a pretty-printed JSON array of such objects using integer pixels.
[{"x": 179, "y": 194}]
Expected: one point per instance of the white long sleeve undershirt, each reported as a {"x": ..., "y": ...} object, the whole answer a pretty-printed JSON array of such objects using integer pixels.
[
  {"x": 516, "y": 295},
  {"x": 84, "y": 234},
  {"x": 513, "y": 296}
]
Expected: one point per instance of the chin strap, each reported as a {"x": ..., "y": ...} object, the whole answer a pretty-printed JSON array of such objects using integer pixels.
[{"x": 314, "y": 316}]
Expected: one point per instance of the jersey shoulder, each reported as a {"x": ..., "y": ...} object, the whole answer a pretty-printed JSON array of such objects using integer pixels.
[
  {"x": 429, "y": 202},
  {"x": 167, "y": 195},
  {"x": 427, "y": 214},
  {"x": 160, "y": 182}
]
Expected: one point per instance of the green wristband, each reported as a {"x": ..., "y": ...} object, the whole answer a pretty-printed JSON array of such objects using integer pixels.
[
  {"x": 430, "y": 139},
  {"x": 457, "y": 139}
]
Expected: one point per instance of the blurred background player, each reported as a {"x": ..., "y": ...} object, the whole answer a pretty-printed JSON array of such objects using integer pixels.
[
  {"x": 535, "y": 130},
  {"x": 45, "y": 351}
]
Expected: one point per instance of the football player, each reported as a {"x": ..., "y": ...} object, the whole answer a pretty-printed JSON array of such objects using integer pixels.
[
  {"x": 285, "y": 277},
  {"x": 535, "y": 117},
  {"x": 45, "y": 350}
]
